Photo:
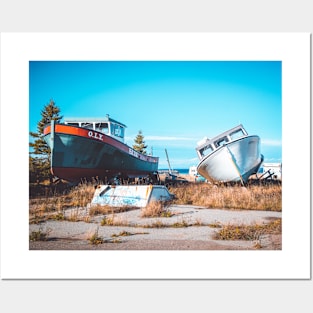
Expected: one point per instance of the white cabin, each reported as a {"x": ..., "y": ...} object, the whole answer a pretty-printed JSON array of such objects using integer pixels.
[
  {"x": 207, "y": 146},
  {"x": 105, "y": 125}
]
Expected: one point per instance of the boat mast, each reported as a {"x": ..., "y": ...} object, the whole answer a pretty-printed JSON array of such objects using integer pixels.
[
  {"x": 52, "y": 134},
  {"x": 168, "y": 161}
]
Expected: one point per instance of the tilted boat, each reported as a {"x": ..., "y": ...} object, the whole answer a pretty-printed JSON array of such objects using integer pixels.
[
  {"x": 232, "y": 156},
  {"x": 94, "y": 148}
]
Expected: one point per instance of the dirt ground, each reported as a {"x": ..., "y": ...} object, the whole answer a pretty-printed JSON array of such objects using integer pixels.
[
  {"x": 137, "y": 233},
  {"x": 270, "y": 242}
]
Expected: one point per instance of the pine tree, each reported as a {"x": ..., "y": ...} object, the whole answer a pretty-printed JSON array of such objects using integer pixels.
[
  {"x": 140, "y": 144},
  {"x": 39, "y": 166}
]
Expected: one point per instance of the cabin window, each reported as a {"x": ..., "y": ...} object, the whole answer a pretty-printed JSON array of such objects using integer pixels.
[
  {"x": 221, "y": 142},
  {"x": 236, "y": 134},
  {"x": 117, "y": 130},
  {"x": 121, "y": 132},
  {"x": 87, "y": 125},
  {"x": 103, "y": 127},
  {"x": 206, "y": 150},
  {"x": 113, "y": 129},
  {"x": 73, "y": 124}
]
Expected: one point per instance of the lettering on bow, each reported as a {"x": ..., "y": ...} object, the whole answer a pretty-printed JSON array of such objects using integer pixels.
[{"x": 95, "y": 135}]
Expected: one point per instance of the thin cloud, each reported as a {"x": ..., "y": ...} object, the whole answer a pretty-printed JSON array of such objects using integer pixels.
[
  {"x": 271, "y": 142},
  {"x": 168, "y": 138},
  {"x": 163, "y": 138}
]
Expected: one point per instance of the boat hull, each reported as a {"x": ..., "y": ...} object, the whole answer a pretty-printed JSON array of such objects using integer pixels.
[
  {"x": 78, "y": 153},
  {"x": 233, "y": 162}
]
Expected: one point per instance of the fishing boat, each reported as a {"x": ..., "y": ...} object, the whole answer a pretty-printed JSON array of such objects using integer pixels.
[
  {"x": 86, "y": 148},
  {"x": 232, "y": 156}
]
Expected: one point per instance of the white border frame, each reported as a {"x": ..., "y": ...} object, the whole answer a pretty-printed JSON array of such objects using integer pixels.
[{"x": 18, "y": 262}]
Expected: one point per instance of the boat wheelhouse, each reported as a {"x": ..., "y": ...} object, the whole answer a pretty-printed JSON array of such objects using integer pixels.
[
  {"x": 107, "y": 126},
  {"x": 207, "y": 146}
]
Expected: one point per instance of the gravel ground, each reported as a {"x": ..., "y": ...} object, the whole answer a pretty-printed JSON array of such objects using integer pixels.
[{"x": 65, "y": 235}]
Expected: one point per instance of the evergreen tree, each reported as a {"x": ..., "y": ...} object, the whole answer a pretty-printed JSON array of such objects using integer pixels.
[
  {"x": 140, "y": 145},
  {"x": 39, "y": 166}
]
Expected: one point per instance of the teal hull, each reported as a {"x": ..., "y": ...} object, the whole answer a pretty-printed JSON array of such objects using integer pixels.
[{"x": 77, "y": 157}]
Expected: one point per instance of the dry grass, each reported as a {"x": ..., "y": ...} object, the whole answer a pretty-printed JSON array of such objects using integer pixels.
[
  {"x": 114, "y": 221},
  {"x": 248, "y": 232},
  {"x": 126, "y": 233},
  {"x": 67, "y": 206},
  {"x": 254, "y": 197},
  {"x": 42, "y": 207},
  {"x": 100, "y": 210},
  {"x": 40, "y": 235},
  {"x": 160, "y": 224},
  {"x": 156, "y": 209},
  {"x": 81, "y": 195},
  {"x": 95, "y": 239},
  {"x": 106, "y": 209}
]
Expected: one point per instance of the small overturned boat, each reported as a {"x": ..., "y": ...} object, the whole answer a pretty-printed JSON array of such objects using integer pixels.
[
  {"x": 85, "y": 148},
  {"x": 232, "y": 156}
]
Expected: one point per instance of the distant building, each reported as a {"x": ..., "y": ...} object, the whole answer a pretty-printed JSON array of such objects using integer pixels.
[
  {"x": 271, "y": 171},
  {"x": 193, "y": 171}
]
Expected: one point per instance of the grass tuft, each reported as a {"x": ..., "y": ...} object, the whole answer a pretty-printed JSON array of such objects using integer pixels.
[
  {"x": 248, "y": 232},
  {"x": 39, "y": 235},
  {"x": 156, "y": 209},
  {"x": 95, "y": 239}
]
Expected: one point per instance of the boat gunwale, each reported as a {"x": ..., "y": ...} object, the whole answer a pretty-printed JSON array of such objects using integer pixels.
[{"x": 225, "y": 145}]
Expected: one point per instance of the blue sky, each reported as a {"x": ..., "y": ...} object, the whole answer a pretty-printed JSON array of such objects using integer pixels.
[{"x": 174, "y": 103}]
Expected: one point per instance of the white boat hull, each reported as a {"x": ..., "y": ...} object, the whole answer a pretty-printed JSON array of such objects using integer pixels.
[{"x": 232, "y": 162}]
